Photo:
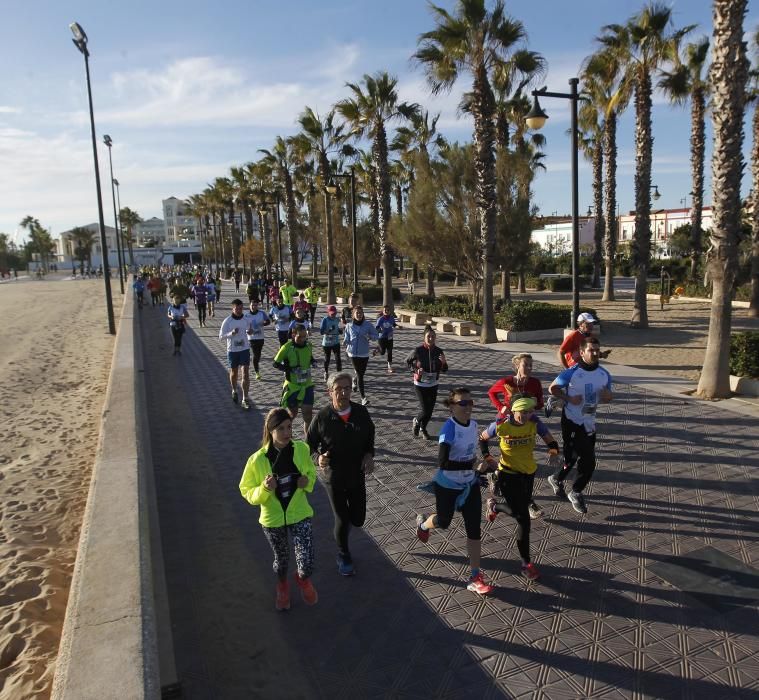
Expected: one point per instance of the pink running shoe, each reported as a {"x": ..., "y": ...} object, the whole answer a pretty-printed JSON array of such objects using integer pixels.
[
  {"x": 530, "y": 571},
  {"x": 490, "y": 513},
  {"x": 477, "y": 585}
]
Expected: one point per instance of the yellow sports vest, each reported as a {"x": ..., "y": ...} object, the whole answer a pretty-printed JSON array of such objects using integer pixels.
[{"x": 517, "y": 443}]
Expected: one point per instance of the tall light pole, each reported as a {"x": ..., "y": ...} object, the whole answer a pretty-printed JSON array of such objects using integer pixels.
[
  {"x": 332, "y": 189},
  {"x": 108, "y": 142},
  {"x": 80, "y": 41},
  {"x": 119, "y": 238},
  {"x": 535, "y": 120}
]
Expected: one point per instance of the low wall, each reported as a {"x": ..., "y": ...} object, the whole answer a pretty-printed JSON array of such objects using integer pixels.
[{"x": 109, "y": 642}]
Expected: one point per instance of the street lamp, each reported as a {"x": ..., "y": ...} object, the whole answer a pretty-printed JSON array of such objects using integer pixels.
[
  {"x": 108, "y": 142},
  {"x": 332, "y": 188},
  {"x": 80, "y": 41},
  {"x": 655, "y": 196},
  {"x": 536, "y": 119},
  {"x": 119, "y": 236}
]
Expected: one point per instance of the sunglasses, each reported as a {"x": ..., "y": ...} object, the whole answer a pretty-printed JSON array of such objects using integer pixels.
[{"x": 464, "y": 402}]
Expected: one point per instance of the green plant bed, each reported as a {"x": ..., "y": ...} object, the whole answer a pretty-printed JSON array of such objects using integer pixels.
[
  {"x": 698, "y": 291},
  {"x": 370, "y": 294},
  {"x": 744, "y": 354}
]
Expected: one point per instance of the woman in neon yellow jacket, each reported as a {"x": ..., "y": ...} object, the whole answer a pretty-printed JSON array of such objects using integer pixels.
[{"x": 277, "y": 478}]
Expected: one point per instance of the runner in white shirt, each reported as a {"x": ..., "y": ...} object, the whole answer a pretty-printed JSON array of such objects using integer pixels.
[
  {"x": 234, "y": 329},
  {"x": 258, "y": 319}
]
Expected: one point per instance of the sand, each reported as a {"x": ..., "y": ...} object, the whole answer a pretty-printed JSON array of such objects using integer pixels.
[{"x": 56, "y": 360}]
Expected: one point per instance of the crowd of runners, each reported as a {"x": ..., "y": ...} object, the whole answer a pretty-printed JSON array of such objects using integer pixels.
[{"x": 339, "y": 438}]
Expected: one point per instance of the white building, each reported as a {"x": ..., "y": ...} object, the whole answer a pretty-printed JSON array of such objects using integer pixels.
[
  {"x": 179, "y": 222},
  {"x": 150, "y": 232},
  {"x": 66, "y": 246},
  {"x": 556, "y": 238},
  {"x": 663, "y": 224}
]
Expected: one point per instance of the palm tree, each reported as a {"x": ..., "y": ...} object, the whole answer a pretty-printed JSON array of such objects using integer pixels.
[
  {"x": 728, "y": 77},
  {"x": 591, "y": 145},
  {"x": 317, "y": 140},
  {"x": 753, "y": 95},
  {"x": 643, "y": 45},
  {"x": 82, "y": 240},
  {"x": 198, "y": 205},
  {"x": 372, "y": 107},
  {"x": 687, "y": 80},
  {"x": 283, "y": 160},
  {"x": 477, "y": 41},
  {"x": 128, "y": 219},
  {"x": 260, "y": 177}
]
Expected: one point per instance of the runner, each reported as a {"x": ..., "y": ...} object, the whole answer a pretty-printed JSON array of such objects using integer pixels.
[
  {"x": 211, "y": 287},
  {"x": 343, "y": 436},
  {"x": 201, "y": 300},
  {"x": 581, "y": 387},
  {"x": 356, "y": 341},
  {"x": 251, "y": 290},
  {"x": 288, "y": 292},
  {"x": 281, "y": 315},
  {"x": 457, "y": 483},
  {"x": 218, "y": 289},
  {"x": 234, "y": 330},
  {"x": 301, "y": 303},
  {"x": 520, "y": 383},
  {"x": 258, "y": 319},
  {"x": 330, "y": 330},
  {"x": 300, "y": 319},
  {"x": 427, "y": 362},
  {"x": 178, "y": 316},
  {"x": 568, "y": 353},
  {"x": 139, "y": 289},
  {"x": 312, "y": 297},
  {"x": 277, "y": 478},
  {"x": 347, "y": 313},
  {"x": 515, "y": 475},
  {"x": 385, "y": 326},
  {"x": 237, "y": 277},
  {"x": 295, "y": 358}
]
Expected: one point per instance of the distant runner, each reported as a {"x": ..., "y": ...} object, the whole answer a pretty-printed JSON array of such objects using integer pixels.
[{"x": 234, "y": 329}]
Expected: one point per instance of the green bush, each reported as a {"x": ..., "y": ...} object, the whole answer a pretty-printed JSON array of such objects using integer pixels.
[
  {"x": 698, "y": 291},
  {"x": 559, "y": 284},
  {"x": 536, "y": 283},
  {"x": 744, "y": 354}
]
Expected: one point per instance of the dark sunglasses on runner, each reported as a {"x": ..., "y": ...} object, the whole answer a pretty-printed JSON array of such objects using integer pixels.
[{"x": 464, "y": 402}]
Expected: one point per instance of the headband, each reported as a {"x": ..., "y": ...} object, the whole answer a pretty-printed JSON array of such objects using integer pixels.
[{"x": 524, "y": 404}]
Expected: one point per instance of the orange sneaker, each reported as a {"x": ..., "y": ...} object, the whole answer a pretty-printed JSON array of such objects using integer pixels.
[
  {"x": 307, "y": 590},
  {"x": 283, "y": 596}
]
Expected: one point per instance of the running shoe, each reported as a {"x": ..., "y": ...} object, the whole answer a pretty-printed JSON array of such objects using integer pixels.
[
  {"x": 307, "y": 590},
  {"x": 374, "y": 352},
  {"x": 530, "y": 571},
  {"x": 490, "y": 512},
  {"x": 258, "y": 375},
  {"x": 423, "y": 535},
  {"x": 477, "y": 585},
  {"x": 325, "y": 375},
  {"x": 535, "y": 511},
  {"x": 577, "y": 501},
  {"x": 245, "y": 404},
  {"x": 234, "y": 396},
  {"x": 389, "y": 368},
  {"x": 415, "y": 427},
  {"x": 283, "y": 596},
  {"x": 364, "y": 401},
  {"x": 425, "y": 434},
  {"x": 558, "y": 487},
  {"x": 345, "y": 565},
  {"x": 548, "y": 409},
  {"x": 354, "y": 384}
]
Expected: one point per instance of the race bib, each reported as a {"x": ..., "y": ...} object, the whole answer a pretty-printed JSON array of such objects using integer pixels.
[
  {"x": 427, "y": 378},
  {"x": 302, "y": 375},
  {"x": 238, "y": 343}
]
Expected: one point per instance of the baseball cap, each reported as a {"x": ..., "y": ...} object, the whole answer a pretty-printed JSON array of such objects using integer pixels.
[
  {"x": 587, "y": 318},
  {"x": 331, "y": 308}
]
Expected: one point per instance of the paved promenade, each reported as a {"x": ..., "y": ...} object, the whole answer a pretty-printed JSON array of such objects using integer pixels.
[{"x": 674, "y": 498}]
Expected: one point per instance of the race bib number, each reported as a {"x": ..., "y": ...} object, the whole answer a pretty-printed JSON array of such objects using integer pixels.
[
  {"x": 238, "y": 343},
  {"x": 302, "y": 375},
  {"x": 427, "y": 378}
]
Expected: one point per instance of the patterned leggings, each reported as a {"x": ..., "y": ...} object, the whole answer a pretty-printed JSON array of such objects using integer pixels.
[{"x": 302, "y": 541}]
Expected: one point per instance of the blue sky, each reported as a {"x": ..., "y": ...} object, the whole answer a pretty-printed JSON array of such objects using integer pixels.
[{"x": 188, "y": 89}]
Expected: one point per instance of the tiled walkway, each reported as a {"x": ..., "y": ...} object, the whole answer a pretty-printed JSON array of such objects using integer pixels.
[{"x": 674, "y": 476}]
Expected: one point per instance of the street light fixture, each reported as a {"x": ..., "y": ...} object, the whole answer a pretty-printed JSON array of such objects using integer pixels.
[
  {"x": 332, "y": 188},
  {"x": 536, "y": 119},
  {"x": 108, "y": 142},
  {"x": 655, "y": 196},
  {"x": 80, "y": 41}
]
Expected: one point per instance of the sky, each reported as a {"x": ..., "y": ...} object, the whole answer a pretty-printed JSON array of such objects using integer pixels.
[{"x": 188, "y": 89}]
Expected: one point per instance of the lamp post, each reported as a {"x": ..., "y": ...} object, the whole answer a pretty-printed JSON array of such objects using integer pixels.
[
  {"x": 279, "y": 236},
  {"x": 332, "y": 189},
  {"x": 119, "y": 236},
  {"x": 80, "y": 41},
  {"x": 656, "y": 195},
  {"x": 233, "y": 219},
  {"x": 108, "y": 142},
  {"x": 535, "y": 119}
]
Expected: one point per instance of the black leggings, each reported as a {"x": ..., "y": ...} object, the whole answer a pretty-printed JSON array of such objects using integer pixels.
[
  {"x": 471, "y": 511},
  {"x": 386, "y": 344},
  {"x": 177, "y": 333},
  {"x": 360, "y": 364},
  {"x": 330, "y": 350},
  {"x": 349, "y": 508},
  {"x": 426, "y": 396},
  {"x": 283, "y": 336},
  {"x": 256, "y": 346},
  {"x": 579, "y": 447},
  {"x": 516, "y": 490},
  {"x": 201, "y": 313}
]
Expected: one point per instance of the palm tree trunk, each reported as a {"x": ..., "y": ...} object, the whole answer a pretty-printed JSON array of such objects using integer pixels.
[
  {"x": 753, "y": 308},
  {"x": 697, "y": 148},
  {"x": 414, "y": 273},
  {"x": 382, "y": 174},
  {"x": 641, "y": 244},
  {"x": 598, "y": 208},
  {"x": 522, "y": 283},
  {"x": 729, "y": 72},
  {"x": 506, "y": 285},
  {"x": 314, "y": 261},
  {"x": 377, "y": 275},
  {"x": 331, "y": 295},
  {"x": 430, "y": 281},
  {"x": 292, "y": 225},
  {"x": 263, "y": 217},
  {"x": 610, "y": 195}
]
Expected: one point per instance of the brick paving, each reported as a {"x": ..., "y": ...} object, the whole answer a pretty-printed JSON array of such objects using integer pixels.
[{"x": 674, "y": 475}]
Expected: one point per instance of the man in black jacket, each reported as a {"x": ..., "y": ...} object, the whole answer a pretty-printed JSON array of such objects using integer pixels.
[{"x": 342, "y": 434}]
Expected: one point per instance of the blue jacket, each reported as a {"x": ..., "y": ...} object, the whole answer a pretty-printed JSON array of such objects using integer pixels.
[{"x": 357, "y": 338}]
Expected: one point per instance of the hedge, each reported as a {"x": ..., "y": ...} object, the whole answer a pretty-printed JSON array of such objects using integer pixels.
[
  {"x": 698, "y": 291},
  {"x": 744, "y": 354}
]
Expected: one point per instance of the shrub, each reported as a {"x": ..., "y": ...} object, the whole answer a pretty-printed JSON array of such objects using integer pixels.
[
  {"x": 559, "y": 284},
  {"x": 536, "y": 283},
  {"x": 370, "y": 294},
  {"x": 744, "y": 354}
]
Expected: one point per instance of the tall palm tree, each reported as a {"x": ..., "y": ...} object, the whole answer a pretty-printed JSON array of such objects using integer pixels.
[
  {"x": 128, "y": 219},
  {"x": 591, "y": 145},
  {"x": 373, "y": 105},
  {"x": 260, "y": 176},
  {"x": 476, "y": 41},
  {"x": 689, "y": 81},
  {"x": 728, "y": 77},
  {"x": 284, "y": 159},
  {"x": 82, "y": 240},
  {"x": 753, "y": 95},
  {"x": 317, "y": 140},
  {"x": 644, "y": 45},
  {"x": 225, "y": 199},
  {"x": 198, "y": 205},
  {"x": 242, "y": 203}
]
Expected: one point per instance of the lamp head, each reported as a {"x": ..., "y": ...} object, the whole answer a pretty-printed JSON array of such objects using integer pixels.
[
  {"x": 536, "y": 117},
  {"x": 80, "y": 37},
  {"x": 115, "y": 182},
  {"x": 656, "y": 194},
  {"x": 107, "y": 140}
]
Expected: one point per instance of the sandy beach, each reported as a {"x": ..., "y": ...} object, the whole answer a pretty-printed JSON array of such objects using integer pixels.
[{"x": 57, "y": 356}]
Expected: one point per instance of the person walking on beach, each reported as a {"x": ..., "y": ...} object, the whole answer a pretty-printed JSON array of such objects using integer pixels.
[
  {"x": 330, "y": 330},
  {"x": 386, "y": 325},
  {"x": 358, "y": 333},
  {"x": 277, "y": 478},
  {"x": 427, "y": 362},
  {"x": 457, "y": 483},
  {"x": 581, "y": 388},
  {"x": 515, "y": 471},
  {"x": 342, "y": 437},
  {"x": 178, "y": 316},
  {"x": 234, "y": 330},
  {"x": 295, "y": 358},
  {"x": 258, "y": 319}
]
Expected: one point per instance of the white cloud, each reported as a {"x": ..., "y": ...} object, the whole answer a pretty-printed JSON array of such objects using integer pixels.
[{"x": 5, "y": 109}]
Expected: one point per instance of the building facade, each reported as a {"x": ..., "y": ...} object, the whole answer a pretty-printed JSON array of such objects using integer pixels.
[
  {"x": 179, "y": 222},
  {"x": 66, "y": 248}
]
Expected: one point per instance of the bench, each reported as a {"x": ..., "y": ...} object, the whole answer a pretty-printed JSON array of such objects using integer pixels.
[
  {"x": 453, "y": 325},
  {"x": 414, "y": 318}
]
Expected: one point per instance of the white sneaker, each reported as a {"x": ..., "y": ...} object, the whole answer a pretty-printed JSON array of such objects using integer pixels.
[{"x": 364, "y": 401}]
